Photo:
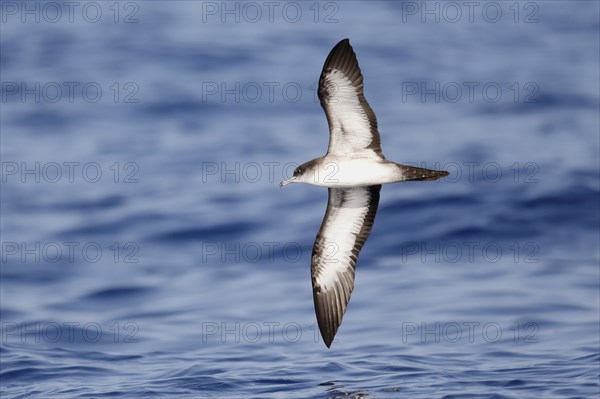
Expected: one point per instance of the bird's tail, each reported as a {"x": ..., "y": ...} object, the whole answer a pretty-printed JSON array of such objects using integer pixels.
[{"x": 414, "y": 173}]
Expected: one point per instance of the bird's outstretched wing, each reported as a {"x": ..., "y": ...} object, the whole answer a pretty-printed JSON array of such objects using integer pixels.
[
  {"x": 352, "y": 122},
  {"x": 345, "y": 228}
]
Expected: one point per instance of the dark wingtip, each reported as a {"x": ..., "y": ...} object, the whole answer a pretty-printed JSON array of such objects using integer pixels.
[
  {"x": 327, "y": 330},
  {"x": 327, "y": 334},
  {"x": 343, "y": 43},
  {"x": 342, "y": 57}
]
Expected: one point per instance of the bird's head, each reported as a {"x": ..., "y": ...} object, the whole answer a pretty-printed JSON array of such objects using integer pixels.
[{"x": 302, "y": 174}]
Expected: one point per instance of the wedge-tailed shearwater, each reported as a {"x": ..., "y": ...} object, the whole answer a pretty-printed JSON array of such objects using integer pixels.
[{"x": 353, "y": 169}]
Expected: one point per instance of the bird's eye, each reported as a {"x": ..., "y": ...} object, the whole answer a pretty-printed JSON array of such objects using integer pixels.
[{"x": 297, "y": 172}]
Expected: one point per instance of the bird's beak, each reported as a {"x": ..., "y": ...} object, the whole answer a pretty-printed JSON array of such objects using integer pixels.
[{"x": 288, "y": 181}]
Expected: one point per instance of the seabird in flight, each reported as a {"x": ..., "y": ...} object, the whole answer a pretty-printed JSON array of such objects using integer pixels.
[{"x": 353, "y": 169}]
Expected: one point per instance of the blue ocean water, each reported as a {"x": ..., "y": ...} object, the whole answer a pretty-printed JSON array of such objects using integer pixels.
[{"x": 148, "y": 251}]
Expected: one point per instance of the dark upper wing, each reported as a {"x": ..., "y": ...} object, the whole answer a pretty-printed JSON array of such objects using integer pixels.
[
  {"x": 352, "y": 122},
  {"x": 345, "y": 228}
]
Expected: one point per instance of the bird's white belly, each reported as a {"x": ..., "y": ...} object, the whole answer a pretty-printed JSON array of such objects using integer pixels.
[{"x": 352, "y": 172}]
